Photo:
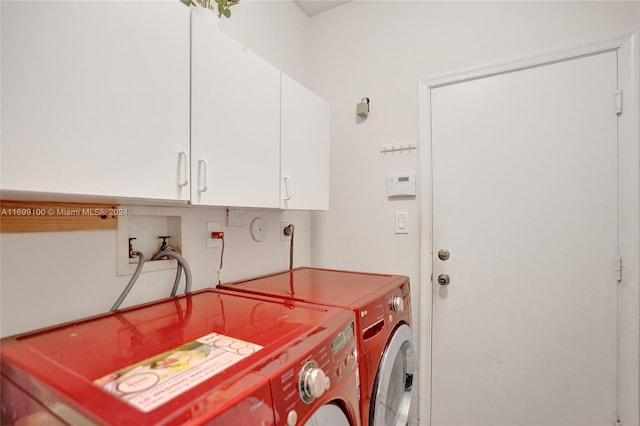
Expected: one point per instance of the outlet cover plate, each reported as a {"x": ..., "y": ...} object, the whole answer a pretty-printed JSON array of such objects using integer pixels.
[
  {"x": 235, "y": 217},
  {"x": 283, "y": 225},
  {"x": 213, "y": 242}
]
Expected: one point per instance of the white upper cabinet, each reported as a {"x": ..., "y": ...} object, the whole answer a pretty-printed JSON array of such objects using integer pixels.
[
  {"x": 150, "y": 100},
  {"x": 95, "y": 98},
  {"x": 304, "y": 181},
  {"x": 235, "y": 121}
]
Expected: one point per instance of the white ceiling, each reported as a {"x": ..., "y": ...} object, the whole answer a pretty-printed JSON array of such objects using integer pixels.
[{"x": 313, "y": 7}]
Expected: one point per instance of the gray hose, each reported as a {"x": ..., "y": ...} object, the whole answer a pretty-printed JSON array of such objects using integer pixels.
[
  {"x": 132, "y": 281},
  {"x": 183, "y": 263},
  {"x": 176, "y": 281}
]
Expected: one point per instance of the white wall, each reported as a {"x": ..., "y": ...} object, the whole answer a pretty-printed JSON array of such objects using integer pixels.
[
  {"x": 48, "y": 278},
  {"x": 276, "y": 30},
  {"x": 381, "y": 50}
]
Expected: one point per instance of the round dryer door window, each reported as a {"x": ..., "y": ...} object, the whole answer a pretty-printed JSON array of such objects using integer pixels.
[
  {"x": 328, "y": 414},
  {"x": 391, "y": 399}
]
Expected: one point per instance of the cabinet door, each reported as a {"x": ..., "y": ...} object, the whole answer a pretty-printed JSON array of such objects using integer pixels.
[
  {"x": 235, "y": 121},
  {"x": 95, "y": 98},
  {"x": 305, "y": 148}
]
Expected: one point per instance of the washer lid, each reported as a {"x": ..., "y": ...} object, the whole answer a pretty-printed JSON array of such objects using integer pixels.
[
  {"x": 325, "y": 286},
  {"x": 329, "y": 414},
  {"x": 391, "y": 398},
  {"x": 72, "y": 363}
]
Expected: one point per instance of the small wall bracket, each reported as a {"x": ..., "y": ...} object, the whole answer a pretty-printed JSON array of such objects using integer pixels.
[{"x": 362, "y": 109}]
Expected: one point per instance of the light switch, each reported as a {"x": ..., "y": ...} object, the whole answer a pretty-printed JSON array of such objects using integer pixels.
[{"x": 402, "y": 223}]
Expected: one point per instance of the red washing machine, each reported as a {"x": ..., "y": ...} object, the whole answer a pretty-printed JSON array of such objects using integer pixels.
[
  {"x": 209, "y": 357},
  {"x": 382, "y": 304}
]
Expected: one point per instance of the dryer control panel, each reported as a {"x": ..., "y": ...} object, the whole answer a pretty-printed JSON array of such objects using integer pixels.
[
  {"x": 323, "y": 372},
  {"x": 398, "y": 304}
]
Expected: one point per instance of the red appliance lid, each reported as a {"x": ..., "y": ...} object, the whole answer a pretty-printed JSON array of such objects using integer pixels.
[
  {"x": 331, "y": 287},
  {"x": 64, "y": 362}
]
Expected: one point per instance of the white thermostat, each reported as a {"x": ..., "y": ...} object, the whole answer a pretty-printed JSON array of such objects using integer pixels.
[{"x": 401, "y": 185}]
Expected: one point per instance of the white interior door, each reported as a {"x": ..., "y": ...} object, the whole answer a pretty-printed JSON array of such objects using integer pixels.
[{"x": 525, "y": 199}]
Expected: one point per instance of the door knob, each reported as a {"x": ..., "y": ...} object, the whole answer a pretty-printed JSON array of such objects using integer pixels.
[
  {"x": 443, "y": 254},
  {"x": 443, "y": 279}
]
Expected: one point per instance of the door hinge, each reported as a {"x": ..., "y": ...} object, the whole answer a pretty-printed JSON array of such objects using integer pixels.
[
  {"x": 619, "y": 102},
  {"x": 619, "y": 268}
]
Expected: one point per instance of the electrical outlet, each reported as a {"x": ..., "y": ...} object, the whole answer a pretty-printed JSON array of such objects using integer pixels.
[
  {"x": 213, "y": 242},
  {"x": 283, "y": 236}
]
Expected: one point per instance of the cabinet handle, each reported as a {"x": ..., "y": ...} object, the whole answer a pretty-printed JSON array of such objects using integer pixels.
[
  {"x": 288, "y": 187},
  {"x": 202, "y": 174},
  {"x": 183, "y": 178}
]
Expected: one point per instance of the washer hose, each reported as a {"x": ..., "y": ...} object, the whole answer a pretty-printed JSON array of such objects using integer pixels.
[
  {"x": 176, "y": 281},
  {"x": 182, "y": 263},
  {"x": 132, "y": 281}
]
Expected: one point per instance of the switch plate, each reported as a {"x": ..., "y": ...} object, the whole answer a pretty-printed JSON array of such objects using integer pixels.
[
  {"x": 402, "y": 223},
  {"x": 213, "y": 242}
]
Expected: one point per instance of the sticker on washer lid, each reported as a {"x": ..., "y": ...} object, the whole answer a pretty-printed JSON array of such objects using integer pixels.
[{"x": 156, "y": 380}]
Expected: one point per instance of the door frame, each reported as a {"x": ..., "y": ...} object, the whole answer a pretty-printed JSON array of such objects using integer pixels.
[{"x": 627, "y": 48}]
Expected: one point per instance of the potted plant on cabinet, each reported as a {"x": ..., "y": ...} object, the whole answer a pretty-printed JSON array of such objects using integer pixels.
[{"x": 222, "y": 7}]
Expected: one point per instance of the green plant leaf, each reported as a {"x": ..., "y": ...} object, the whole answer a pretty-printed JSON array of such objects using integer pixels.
[{"x": 227, "y": 13}]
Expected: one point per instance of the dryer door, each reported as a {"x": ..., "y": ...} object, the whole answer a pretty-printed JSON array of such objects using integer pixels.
[
  {"x": 328, "y": 414},
  {"x": 391, "y": 399}
]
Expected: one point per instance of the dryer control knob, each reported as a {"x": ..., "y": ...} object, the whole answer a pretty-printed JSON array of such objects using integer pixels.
[
  {"x": 398, "y": 304},
  {"x": 315, "y": 382}
]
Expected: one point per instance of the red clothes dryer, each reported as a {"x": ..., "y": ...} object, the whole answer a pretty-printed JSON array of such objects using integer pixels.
[
  {"x": 208, "y": 357},
  {"x": 382, "y": 304}
]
